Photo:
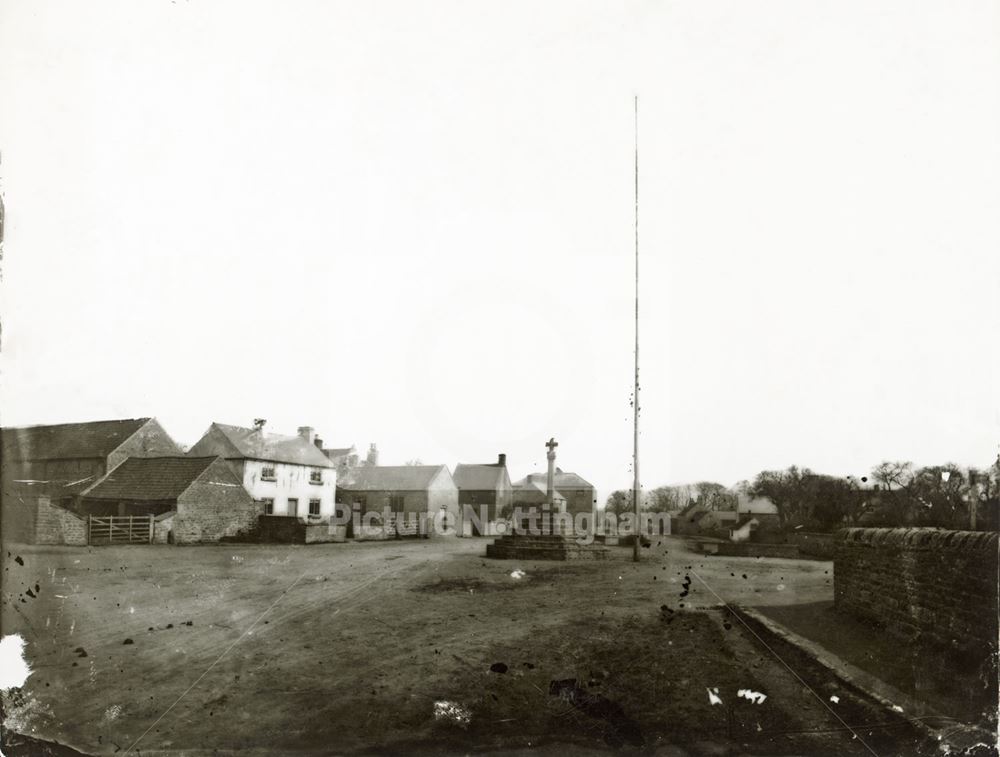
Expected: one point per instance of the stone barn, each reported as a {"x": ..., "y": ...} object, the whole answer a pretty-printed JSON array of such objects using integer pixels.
[
  {"x": 64, "y": 459},
  {"x": 193, "y": 499}
]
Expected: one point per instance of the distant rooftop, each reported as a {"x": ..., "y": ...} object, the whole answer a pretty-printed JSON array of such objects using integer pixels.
[{"x": 393, "y": 477}]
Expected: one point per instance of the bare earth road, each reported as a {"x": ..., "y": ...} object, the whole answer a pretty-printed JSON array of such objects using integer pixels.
[{"x": 357, "y": 647}]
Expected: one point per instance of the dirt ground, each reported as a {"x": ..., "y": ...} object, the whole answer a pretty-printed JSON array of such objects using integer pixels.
[{"x": 420, "y": 645}]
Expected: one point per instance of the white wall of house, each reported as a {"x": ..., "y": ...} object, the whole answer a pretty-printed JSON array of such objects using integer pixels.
[
  {"x": 743, "y": 532},
  {"x": 290, "y": 482}
]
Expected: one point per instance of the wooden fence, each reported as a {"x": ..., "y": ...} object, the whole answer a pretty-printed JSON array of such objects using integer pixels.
[{"x": 120, "y": 529}]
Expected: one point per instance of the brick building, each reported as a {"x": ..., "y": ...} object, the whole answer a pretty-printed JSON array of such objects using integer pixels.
[
  {"x": 193, "y": 499},
  {"x": 401, "y": 488},
  {"x": 484, "y": 484},
  {"x": 579, "y": 494}
]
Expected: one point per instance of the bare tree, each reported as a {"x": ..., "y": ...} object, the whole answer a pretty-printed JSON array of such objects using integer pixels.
[{"x": 893, "y": 473}]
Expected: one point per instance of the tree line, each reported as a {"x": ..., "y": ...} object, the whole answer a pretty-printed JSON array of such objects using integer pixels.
[{"x": 896, "y": 494}]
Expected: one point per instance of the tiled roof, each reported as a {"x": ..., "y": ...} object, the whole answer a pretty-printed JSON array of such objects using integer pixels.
[
  {"x": 277, "y": 448},
  {"x": 472, "y": 476},
  {"x": 392, "y": 477},
  {"x": 68, "y": 440},
  {"x": 151, "y": 478}
]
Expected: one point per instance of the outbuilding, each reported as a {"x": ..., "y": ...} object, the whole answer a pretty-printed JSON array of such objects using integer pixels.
[{"x": 191, "y": 499}]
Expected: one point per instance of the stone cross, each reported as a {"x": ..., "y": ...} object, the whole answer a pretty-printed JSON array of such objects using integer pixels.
[{"x": 550, "y": 484}]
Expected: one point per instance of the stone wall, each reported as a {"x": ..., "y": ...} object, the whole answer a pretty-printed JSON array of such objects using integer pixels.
[
  {"x": 57, "y": 525},
  {"x": 31, "y": 519},
  {"x": 811, "y": 544},
  {"x": 214, "y": 507},
  {"x": 928, "y": 586}
]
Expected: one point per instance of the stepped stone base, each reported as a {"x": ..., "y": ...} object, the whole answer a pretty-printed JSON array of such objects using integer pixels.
[{"x": 544, "y": 547}]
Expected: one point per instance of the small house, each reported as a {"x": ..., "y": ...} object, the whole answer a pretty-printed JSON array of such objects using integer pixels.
[
  {"x": 401, "y": 489},
  {"x": 485, "y": 487},
  {"x": 286, "y": 475},
  {"x": 579, "y": 495}
]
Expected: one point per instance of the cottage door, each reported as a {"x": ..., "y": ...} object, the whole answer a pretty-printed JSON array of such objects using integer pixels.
[{"x": 293, "y": 507}]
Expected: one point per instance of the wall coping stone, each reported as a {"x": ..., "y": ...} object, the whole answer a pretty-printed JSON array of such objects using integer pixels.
[{"x": 921, "y": 538}]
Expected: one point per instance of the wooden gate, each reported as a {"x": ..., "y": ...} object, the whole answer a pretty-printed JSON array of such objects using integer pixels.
[{"x": 120, "y": 529}]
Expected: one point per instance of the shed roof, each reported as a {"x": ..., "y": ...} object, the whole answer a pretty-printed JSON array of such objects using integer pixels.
[
  {"x": 479, "y": 476},
  {"x": 151, "y": 478},
  {"x": 262, "y": 445},
  {"x": 393, "y": 477},
  {"x": 64, "y": 441}
]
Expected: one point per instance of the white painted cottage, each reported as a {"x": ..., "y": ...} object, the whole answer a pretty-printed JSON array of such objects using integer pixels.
[{"x": 286, "y": 475}]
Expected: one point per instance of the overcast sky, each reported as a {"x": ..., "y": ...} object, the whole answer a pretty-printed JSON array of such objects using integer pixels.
[{"x": 410, "y": 223}]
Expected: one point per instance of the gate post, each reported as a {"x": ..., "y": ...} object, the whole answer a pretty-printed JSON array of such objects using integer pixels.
[{"x": 150, "y": 529}]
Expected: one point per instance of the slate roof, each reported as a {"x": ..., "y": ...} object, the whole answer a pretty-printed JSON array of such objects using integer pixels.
[
  {"x": 535, "y": 486},
  {"x": 68, "y": 440},
  {"x": 392, "y": 477},
  {"x": 571, "y": 480},
  {"x": 151, "y": 478},
  {"x": 561, "y": 480},
  {"x": 482, "y": 477},
  {"x": 278, "y": 448}
]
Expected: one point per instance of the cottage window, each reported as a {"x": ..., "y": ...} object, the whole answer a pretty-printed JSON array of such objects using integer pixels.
[
  {"x": 268, "y": 505},
  {"x": 314, "y": 507},
  {"x": 316, "y": 476},
  {"x": 267, "y": 473},
  {"x": 396, "y": 502}
]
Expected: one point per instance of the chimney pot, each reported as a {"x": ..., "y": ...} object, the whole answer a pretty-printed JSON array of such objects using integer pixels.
[
  {"x": 318, "y": 442},
  {"x": 258, "y": 423},
  {"x": 502, "y": 459}
]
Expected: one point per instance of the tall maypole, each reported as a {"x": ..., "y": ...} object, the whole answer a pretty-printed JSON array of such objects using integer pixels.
[{"x": 635, "y": 391}]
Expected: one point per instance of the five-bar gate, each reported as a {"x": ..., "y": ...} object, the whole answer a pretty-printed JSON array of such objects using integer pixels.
[{"x": 120, "y": 529}]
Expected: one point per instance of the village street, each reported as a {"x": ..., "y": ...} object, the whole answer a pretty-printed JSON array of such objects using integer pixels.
[{"x": 424, "y": 644}]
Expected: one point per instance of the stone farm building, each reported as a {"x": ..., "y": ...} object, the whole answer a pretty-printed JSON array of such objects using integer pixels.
[
  {"x": 62, "y": 460},
  {"x": 287, "y": 475},
  {"x": 401, "y": 488},
  {"x": 486, "y": 484},
  {"x": 578, "y": 493},
  {"x": 192, "y": 499}
]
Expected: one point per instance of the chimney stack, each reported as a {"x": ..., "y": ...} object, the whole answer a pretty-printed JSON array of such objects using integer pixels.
[
  {"x": 319, "y": 443},
  {"x": 372, "y": 458},
  {"x": 307, "y": 433},
  {"x": 502, "y": 460},
  {"x": 258, "y": 424}
]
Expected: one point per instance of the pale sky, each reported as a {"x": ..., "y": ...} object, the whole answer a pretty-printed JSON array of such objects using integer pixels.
[{"x": 410, "y": 223}]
